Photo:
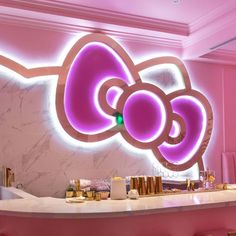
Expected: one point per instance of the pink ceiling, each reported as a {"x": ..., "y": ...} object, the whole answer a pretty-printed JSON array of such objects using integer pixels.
[
  {"x": 182, "y": 11},
  {"x": 200, "y": 29}
]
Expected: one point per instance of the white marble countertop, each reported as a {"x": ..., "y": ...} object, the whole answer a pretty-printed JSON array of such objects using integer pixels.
[{"x": 57, "y": 208}]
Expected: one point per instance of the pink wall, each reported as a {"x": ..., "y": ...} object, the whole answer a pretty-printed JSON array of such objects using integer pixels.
[
  {"x": 41, "y": 159},
  {"x": 229, "y": 106},
  {"x": 218, "y": 82},
  {"x": 207, "y": 78}
]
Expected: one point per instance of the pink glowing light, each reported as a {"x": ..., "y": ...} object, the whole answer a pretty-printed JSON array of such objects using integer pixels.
[{"x": 144, "y": 116}]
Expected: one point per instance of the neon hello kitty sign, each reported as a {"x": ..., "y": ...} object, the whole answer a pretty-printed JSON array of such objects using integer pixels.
[{"x": 100, "y": 93}]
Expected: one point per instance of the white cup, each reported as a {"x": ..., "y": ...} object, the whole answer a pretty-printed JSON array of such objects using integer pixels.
[{"x": 118, "y": 189}]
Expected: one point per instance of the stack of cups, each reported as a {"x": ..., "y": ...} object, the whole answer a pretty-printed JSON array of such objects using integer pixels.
[
  {"x": 158, "y": 184},
  {"x": 150, "y": 185},
  {"x": 147, "y": 186}
]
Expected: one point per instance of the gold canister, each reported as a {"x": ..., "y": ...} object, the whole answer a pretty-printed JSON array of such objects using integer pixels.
[
  {"x": 141, "y": 185},
  {"x": 150, "y": 185},
  {"x": 134, "y": 183},
  {"x": 158, "y": 184}
]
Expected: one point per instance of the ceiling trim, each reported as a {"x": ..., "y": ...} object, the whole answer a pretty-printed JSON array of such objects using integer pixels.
[
  {"x": 211, "y": 28},
  {"x": 75, "y": 28},
  {"x": 193, "y": 41},
  {"x": 214, "y": 33},
  {"x": 77, "y": 11},
  {"x": 212, "y": 16}
]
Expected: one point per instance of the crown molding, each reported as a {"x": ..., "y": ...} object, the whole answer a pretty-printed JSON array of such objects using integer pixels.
[
  {"x": 210, "y": 25},
  {"x": 74, "y": 27},
  {"x": 77, "y": 11},
  {"x": 213, "y": 33},
  {"x": 211, "y": 17},
  {"x": 71, "y": 18},
  {"x": 202, "y": 42}
]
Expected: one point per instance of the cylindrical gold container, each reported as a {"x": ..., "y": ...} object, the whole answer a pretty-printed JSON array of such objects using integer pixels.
[
  {"x": 158, "y": 184},
  {"x": 142, "y": 186},
  {"x": 134, "y": 183},
  {"x": 150, "y": 185}
]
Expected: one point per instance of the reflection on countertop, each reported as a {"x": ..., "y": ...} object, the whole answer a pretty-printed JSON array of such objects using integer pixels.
[
  {"x": 29, "y": 205},
  {"x": 10, "y": 193}
]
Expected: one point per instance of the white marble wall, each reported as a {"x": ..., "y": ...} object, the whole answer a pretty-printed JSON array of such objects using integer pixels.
[{"x": 40, "y": 157}]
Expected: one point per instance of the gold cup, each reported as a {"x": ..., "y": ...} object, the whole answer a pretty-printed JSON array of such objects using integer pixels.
[
  {"x": 141, "y": 186},
  {"x": 104, "y": 195},
  {"x": 150, "y": 185},
  {"x": 90, "y": 195},
  {"x": 158, "y": 184},
  {"x": 79, "y": 193},
  {"x": 134, "y": 183},
  {"x": 98, "y": 197},
  {"x": 69, "y": 194}
]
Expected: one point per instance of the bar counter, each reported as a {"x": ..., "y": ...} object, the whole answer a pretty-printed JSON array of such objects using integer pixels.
[
  {"x": 58, "y": 208},
  {"x": 174, "y": 214}
]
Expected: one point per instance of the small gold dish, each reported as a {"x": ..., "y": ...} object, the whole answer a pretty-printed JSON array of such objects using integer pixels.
[{"x": 75, "y": 200}]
